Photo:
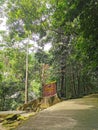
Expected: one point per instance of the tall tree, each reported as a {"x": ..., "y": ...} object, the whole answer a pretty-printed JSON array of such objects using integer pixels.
[{"x": 24, "y": 18}]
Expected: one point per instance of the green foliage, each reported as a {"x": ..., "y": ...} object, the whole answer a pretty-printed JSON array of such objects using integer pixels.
[
  {"x": 13, "y": 78},
  {"x": 2, "y": 1}
]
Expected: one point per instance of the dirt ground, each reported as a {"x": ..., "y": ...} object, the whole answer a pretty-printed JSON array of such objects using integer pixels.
[{"x": 76, "y": 114}]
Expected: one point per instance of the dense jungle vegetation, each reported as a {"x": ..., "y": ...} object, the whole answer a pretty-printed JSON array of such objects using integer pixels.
[{"x": 69, "y": 30}]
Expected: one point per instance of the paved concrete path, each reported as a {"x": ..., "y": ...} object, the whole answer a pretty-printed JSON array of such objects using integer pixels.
[{"x": 77, "y": 114}]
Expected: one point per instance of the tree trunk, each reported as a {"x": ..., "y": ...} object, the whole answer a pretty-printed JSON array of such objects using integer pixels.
[
  {"x": 26, "y": 80},
  {"x": 78, "y": 81},
  {"x": 62, "y": 85},
  {"x": 74, "y": 86}
]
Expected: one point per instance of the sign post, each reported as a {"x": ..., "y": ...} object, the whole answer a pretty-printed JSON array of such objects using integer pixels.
[{"x": 49, "y": 90}]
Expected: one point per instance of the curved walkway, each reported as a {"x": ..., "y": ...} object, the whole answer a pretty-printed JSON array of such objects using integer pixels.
[{"x": 77, "y": 114}]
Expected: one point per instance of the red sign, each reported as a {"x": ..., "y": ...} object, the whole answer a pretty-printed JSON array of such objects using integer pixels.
[{"x": 49, "y": 89}]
